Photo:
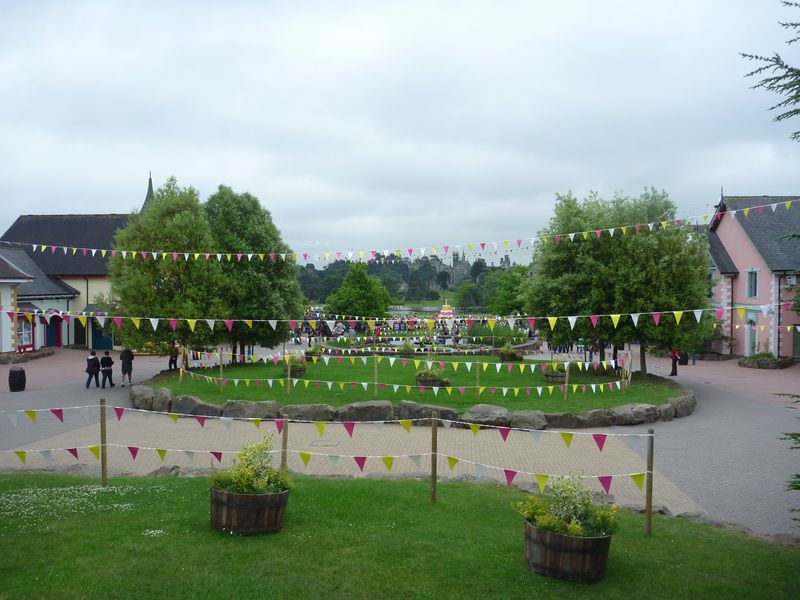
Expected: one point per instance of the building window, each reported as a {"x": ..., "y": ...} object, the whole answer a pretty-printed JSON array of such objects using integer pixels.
[
  {"x": 24, "y": 332},
  {"x": 752, "y": 284}
]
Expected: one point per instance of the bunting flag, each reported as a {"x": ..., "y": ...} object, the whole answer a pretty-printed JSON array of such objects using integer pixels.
[
  {"x": 388, "y": 461},
  {"x": 504, "y": 431},
  {"x": 320, "y": 425},
  {"x": 360, "y": 461},
  {"x": 305, "y": 456},
  {"x": 95, "y": 450},
  {"x": 541, "y": 481},
  {"x": 452, "y": 461},
  {"x": 162, "y": 453},
  {"x": 510, "y": 475},
  {"x": 405, "y": 424},
  {"x": 59, "y": 413},
  {"x": 605, "y": 481},
  {"x": 31, "y": 415},
  {"x": 134, "y": 451},
  {"x": 74, "y": 452},
  {"x": 22, "y": 455},
  {"x": 475, "y": 428},
  {"x": 600, "y": 440},
  {"x": 216, "y": 454},
  {"x": 119, "y": 411},
  {"x": 567, "y": 437},
  {"x": 638, "y": 479}
]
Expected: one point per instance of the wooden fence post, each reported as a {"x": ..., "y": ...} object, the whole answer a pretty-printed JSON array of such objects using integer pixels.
[
  {"x": 376, "y": 373},
  {"x": 103, "y": 444},
  {"x": 434, "y": 453},
  {"x": 285, "y": 447},
  {"x": 648, "y": 503}
]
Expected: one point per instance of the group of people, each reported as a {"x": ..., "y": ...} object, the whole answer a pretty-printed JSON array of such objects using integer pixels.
[{"x": 95, "y": 366}]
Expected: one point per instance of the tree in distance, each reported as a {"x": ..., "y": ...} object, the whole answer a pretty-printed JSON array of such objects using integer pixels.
[{"x": 360, "y": 294}]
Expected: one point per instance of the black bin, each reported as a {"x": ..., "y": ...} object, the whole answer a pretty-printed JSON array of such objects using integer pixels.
[
  {"x": 683, "y": 358},
  {"x": 16, "y": 379}
]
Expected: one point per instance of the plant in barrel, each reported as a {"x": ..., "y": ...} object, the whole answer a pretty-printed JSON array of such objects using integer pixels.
[
  {"x": 250, "y": 496},
  {"x": 567, "y": 534}
]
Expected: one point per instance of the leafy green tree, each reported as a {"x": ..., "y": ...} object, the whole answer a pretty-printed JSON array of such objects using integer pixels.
[
  {"x": 477, "y": 269},
  {"x": 662, "y": 271},
  {"x": 164, "y": 289},
  {"x": 779, "y": 77},
  {"x": 467, "y": 295},
  {"x": 360, "y": 294},
  {"x": 508, "y": 297},
  {"x": 309, "y": 279},
  {"x": 331, "y": 277},
  {"x": 262, "y": 288},
  {"x": 417, "y": 285},
  {"x": 443, "y": 280}
]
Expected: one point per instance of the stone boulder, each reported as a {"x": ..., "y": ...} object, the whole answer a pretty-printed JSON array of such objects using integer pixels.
[
  {"x": 189, "y": 405},
  {"x": 268, "y": 409},
  {"x": 528, "y": 419},
  {"x": 407, "y": 409},
  {"x": 598, "y": 418},
  {"x": 564, "y": 420},
  {"x": 667, "y": 411},
  {"x": 633, "y": 414},
  {"x": 141, "y": 397},
  {"x": 684, "y": 405},
  {"x": 308, "y": 412},
  {"x": 488, "y": 414},
  {"x": 372, "y": 410},
  {"x": 162, "y": 401}
]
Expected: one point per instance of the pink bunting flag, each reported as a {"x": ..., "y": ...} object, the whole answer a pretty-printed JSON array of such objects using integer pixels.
[
  {"x": 510, "y": 474},
  {"x": 509, "y": 366},
  {"x": 532, "y": 322},
  {"x": 201, "y": 420},
  {"x": 349, "y": 426},
  {"x": 217, "y": 455},
  {"x": 292, "y": 325},
  {"x": 656, "y": 317},
  {"x": 173, "y": 323},
  {"x": 594, "y": 319},
  {"x": 598, "y": 232},
  {"x": 74, "y": 452},
  {"x": 134, "y": 451},
  {"x": 238, "y": 257},
  {"x": 119, "y": 410},
  {"x": 605, "y": 481},
  {"x": 557, "y": 238},
  {"x": 352, "y": 323},
  {"x": 504, "y": 431},
  {"x": 561, "y": 388},
  {"x": 84, "y": 251},
  {"x": 279, "y": 425},
  {"x": 421, "y": 389},
  {"x": 117, "y": 322},
  {"x": 446, "y": 248},
  {"x": 229, "y": 324},
  {"x": 360, "y": 461},
  {"x": 637, "y": 227},
  {"x": 720, "y": 313},
  {"x": 410, "y": 251},
  {"x": 600, "y": 440},
  {"x": 492, "y": 391},
  {"x": 272, "y": 256},
  {"x": 527, "y": 391},
  {"x": 275, "y": 359},
  {"x": 59, "y": 413},
  {"x": 519, "y": 243},
  {"x": 404, "y": 362},
  {"x": 583, "y": 388},
  {"x": 483, "y": 245},
  {"x": 461, "y": 390}
]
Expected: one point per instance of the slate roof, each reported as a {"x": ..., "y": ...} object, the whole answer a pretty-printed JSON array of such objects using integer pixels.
[
  {"x": 720, "y": 256},
  {"x": 766, "y": 229},
  {"x": 77, "y": 231},
  {"x": 10, "y": 271},
  {"x": 40, "y": 285}
]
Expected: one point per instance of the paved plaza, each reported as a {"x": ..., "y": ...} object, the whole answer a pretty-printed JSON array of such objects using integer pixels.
[{"x": 725, "y": 460}]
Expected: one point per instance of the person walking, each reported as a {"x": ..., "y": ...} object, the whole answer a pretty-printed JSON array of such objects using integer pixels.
[
  {"x": 126, "y": 358},
  {"x": 173, "y": 357},
  {"x": 105, "y": 368},
  {"x": 93, "y": 369},
  {"x": 674, "y": 357}
]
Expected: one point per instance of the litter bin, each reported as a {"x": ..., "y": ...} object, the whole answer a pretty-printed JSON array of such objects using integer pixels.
[
  {"x": 16, "y": 379},
  {"x": 683, "y": 358}
]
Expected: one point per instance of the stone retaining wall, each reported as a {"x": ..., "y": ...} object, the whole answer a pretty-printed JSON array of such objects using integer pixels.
[{"x": 162, "y": 400}]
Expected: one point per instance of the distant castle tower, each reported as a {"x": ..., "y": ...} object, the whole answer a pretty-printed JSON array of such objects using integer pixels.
[{"x": 150, "y": 194}]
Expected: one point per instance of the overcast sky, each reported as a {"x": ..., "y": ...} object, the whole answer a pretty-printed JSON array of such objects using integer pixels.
[{"x": 387, "y": 125}]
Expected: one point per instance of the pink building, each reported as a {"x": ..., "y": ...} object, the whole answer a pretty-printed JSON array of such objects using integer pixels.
[{"x": 755, "y": 270}]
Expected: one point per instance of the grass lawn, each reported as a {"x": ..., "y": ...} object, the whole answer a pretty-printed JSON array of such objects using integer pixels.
[
  {"x": 349, "y": 375},
  {"x": 65, "y": 537}
]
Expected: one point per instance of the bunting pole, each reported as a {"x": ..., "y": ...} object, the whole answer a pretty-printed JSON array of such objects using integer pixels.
[
  {"x": 648, "y": 502},
  {"x": 103, "y": 444},
  {"x": 289, "y": 377},
  {"x": 478, "y": 382},
  {"x": 434, "y": 453},
  {"x": 221, "y": 386},
  {"x": 566, "y": 381},
  {"x": 376, "y": 374},
  {"x": 183, "y": 364},
  {"x": 285, "y": 447}
]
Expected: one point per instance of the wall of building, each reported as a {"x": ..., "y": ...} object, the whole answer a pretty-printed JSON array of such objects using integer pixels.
[{"x": 6, "y": 325}]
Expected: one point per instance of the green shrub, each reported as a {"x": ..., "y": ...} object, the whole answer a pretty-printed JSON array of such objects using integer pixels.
[{"x": 252, "y": 472}]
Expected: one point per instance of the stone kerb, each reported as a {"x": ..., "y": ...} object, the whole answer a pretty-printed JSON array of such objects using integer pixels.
[{"x": 145, "y": 398}]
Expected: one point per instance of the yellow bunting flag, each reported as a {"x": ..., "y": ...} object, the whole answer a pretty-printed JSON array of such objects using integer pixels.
[
  {"x": 746, "y": 211},
  {"x": 541, "y": 481},
  {"x": 516, "y": 391},
  {"x": 405, "y": 424},
  {"x": 321, "y": 428},
  {"x": 96, "y": 451},
  {"x": 378, "y": 358},
  {"x": 430, "y": 323},
  {"x": 162, "y": 452},
  {"x": 371, "y": 324},
  {"x": 492, "y": 323},
  {"x": 485, "y": 366},
  {"x": 249, "y": 323},
  {"x": 352, "y": 360},
  {"x": 740, "y": 311},
  {"x": 481, "y": 390},
  {"x": 452, "y": 461},
  {"x": 305, "y": 456},
  {"x": 257, "y": 423},
  {"x": 408, "y": 389},
  {"x": 678, "y": 314},
  {"x": 191, "y": 323},
  {"x": 306, "y": 382},
  {"x": 228, "y": 257},
  {"x": 638, "y": 479},
  {"x": 388, "y": 461},
  {"x": 32, "y": 415},
  {"x": 788, "y": 204},
  {"x": 341, "y": 385},
  {"x": 567, "y": 437},
  {"x": 455, "y": 364},
  {"x": 174, "y": 417},
  {"x": 585, "y": 235},
  {"x": 615, "y": 320},
  {"x": 21, "y": 455},
  {"x": 313, "y": 324},
  {"x": 416, "y": 363},
  {"x": 575, "y": 386},
  {"x": 82, "y": 320},
  {"x": 475, "y": 428},
  {"x": 136, "y": 321},
  {"x": 552, "y": 321},
  {"x": 550, "y": 389},
  {"x": 522, "y": 367},
  {"x": 449, "y": 390}
]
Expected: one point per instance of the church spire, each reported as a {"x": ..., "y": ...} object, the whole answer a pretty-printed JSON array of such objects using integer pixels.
[{"x": 150, "y": 195}]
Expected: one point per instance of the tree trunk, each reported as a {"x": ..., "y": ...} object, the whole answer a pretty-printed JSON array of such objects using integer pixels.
[{"x": 642, "y": 360}]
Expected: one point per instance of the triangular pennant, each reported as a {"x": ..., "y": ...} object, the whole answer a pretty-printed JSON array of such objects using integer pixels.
[
  {"x": 134, "y": 451},
  {"x": 567, "y": 437},
  {"x": 510, "y": 475},
  {"x": 320, "y": 425},
  {"x": 600, "y": 440},
  {"x": 333, "y": 459},
  {"x": 31, "y": 415},
  {"x": 388, "y": 461},
  {"x": 615, "y": 320},
  {"x": 475, "y": 428},
  {"x": 74, "y": 452},
  {"x": 552, "y": 321},
  {"x": 360, "y": 461},
  {"x": 678, "y": 314},
  {"x": 59, "y": 413},
  {"x": 605, "y": 481},
  {"x": 95, "y": 450},
  {"x": 22, "y": 455},
  {"x": 216, "y": 454},
  {"x": 638, "y": 479},
  {"x": 305, "y": 456},
  {"x": 405, "y": 424},
  {"x": 201, "y": 420},
  {"x": 119, "y": 411},
  {"x": 452, "y": 461},
  {"x": 541, "y": 481},
  {"x": 504, "y": 431},
  {"x": 416, "y": 459}
]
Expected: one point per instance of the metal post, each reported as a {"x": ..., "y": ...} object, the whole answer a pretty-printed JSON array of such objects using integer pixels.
[
  {"x": 285, "y": 447},
  {"x": 648, "y": 503},
  {"x": 434, "y": 453},
  {"x": 103, "y": 444}
]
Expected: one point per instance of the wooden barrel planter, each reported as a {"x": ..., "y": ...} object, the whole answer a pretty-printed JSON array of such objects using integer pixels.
[
  {"x": 247, "y": 514},
  {"x": 429, "y": 381},
  {"x": 581, "y": 559},
  {"x": 298, "y": 371},
  {"x": 555, "y": 376}
]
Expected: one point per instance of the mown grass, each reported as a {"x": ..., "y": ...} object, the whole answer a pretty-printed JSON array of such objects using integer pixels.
[
  {"x": 352, "y": 371},
  {"x": 150, "y": 538}
]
